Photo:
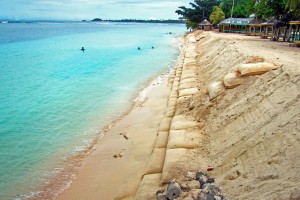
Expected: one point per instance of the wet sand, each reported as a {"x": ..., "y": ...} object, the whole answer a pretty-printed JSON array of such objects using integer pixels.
[{"x": 122, "y": 154}]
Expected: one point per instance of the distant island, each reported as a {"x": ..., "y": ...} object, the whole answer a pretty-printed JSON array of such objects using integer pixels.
[
  {"x": 140, "y": 20},
  {"x": 97, "y": 20}
]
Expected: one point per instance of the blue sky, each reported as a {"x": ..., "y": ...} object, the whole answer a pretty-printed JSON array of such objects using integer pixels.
[{"x": 89, "y": 9}]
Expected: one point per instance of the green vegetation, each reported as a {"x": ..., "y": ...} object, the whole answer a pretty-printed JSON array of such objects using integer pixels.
[
  {"x": 215, "y": 10},
  {"x": 217, "y": 15}
]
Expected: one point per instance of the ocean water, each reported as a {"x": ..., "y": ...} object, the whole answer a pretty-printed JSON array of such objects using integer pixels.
[{"x": 54, "y": 98}]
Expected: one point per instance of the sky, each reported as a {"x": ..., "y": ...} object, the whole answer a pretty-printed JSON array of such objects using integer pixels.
[{"x": 90, "y": 9}]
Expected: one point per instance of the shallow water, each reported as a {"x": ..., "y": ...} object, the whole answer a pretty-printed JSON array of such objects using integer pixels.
[{"x": 54, "y": 98}]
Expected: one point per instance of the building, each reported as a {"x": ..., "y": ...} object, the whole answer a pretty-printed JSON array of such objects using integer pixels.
[
  {"x": 234, "y": 25},
  {"x": 205, "y": 25}
]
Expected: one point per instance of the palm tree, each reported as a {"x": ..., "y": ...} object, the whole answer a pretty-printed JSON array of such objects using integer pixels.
[{"x": 293, "y": 4}]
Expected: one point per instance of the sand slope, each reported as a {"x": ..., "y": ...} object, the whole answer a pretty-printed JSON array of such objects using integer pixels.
[
  {"x": 252, "y": 131},
  {"x": 249, "y": 132}
]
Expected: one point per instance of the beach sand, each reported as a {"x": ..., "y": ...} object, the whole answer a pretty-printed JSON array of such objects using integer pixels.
[
  {"x": 248, "y": 133},
  {"x": 122, "y": 154}
]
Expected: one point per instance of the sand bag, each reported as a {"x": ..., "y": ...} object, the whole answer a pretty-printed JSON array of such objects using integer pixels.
[
  {"x": 256, "y": 68},
  {"x": 188, "y": 92},
  {"x": 126, "y": 190},
  {"x": 170, "y": 111},
  {"x": 173, "y": 164},
  {"x": 172, "y": 102},
  {"x": 162, "y": 139},
  {"x": 215, "y": 89},
  {"x": 148, "y": 187},
  {"x": 173, "y": 94},
  {"x": 187, "y": 75},
  {"x": 156, "y": 161},
  {"x": 233, "y": 79},
  {"x": 192, "y": 39},
  {"x": 188, "y": 80},
  {"x": 180, "y": 122},
  {"x": 165, "y": 124},
  {"x": 186, "y": 85},
  {"x": 183, "y": 139}
]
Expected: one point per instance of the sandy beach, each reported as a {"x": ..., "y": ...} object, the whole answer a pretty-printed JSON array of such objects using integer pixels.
[{"x": 209, "y": 113}]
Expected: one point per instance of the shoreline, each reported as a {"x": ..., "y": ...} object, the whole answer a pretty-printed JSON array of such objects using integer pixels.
[
  {"x": 182, "y": 128},
  {"x": 120, "y": 150},
  {"x": 61, "y": 180}
]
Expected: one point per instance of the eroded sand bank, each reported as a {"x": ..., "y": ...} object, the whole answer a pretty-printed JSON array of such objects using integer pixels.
[{"x": 249, "y": 132}]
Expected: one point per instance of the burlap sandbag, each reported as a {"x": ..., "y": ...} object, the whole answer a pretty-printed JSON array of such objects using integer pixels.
[
  {"x": 173, "y": 94},
  {"x": 188, "y": 80},
  {"x": 170, "y": 111},
  {"x": 215, "y": 89},
  {"x": 165, "y": 124},
  {"x": 256, "y": 68},
  {"x": 187, "y": 85},
  {"x": 188, "y": 92},
  {"x": 187, "y": 75},
  {"x": 172, "y": 102},
  {"x": 233, "y": 79},
  {"x": 148, "y": 187},
  {"x": 180, "y": 122},
  {"x": 156, "y": 161},
  {"x": 162, "y": 139},
  {"x": 172, "y": 165},
  {"x": 127, "y": 189},
  {"x": 183, "y": 139}
]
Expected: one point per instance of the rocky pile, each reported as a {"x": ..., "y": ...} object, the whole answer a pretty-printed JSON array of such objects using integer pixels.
[{"x": 198, "y": 186}]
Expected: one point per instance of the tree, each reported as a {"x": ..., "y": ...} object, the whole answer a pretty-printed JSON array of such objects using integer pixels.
[
  {"x": 267, "y": 8},
  {"x": 200, "y": 10},
  {"x": 217, "y": 15},
  {"x": 191, "y": 25},
  {"x": 242, "y": 8},
  {"x": 293, "y": 6}
]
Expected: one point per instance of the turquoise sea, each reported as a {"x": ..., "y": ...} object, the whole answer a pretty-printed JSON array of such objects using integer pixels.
[{"x": 55, "y": 98}]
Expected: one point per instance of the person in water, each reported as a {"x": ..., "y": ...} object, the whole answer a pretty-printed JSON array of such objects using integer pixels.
[
  {"x": 139, "y": 48},
  {"x": 82, "y": 49}
]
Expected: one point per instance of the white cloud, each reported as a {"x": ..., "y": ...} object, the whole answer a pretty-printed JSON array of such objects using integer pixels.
[{"x": 88, "y": 9}]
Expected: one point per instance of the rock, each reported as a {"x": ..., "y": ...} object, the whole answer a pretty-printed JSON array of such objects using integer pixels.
[
  {"x": 217, "y": 198},
  {"x": 212, "y": 189},
  {"x": 194, "y": 184},
  {"x": 190, "y": 176},
  {"x": 210, "y": 180},
  {"x": 160, "y": 195},
  {"x": 205, "y": 196},
  {"x": 199, "y": 175},
  {"x": 173, "y": 190}
]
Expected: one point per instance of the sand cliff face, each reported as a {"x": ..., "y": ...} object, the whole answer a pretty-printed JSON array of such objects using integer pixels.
[
  {"x": 249, "y": 133},
  {"x": 232, "y": 105}
]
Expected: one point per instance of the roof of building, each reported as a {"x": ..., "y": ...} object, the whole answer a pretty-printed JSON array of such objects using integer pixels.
[
  {"x": 257, "y": 21},
  {"x": 205, "y": 22},
  {"x": 270, "y": 21},
  {"x": 236, "y": 21}
]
